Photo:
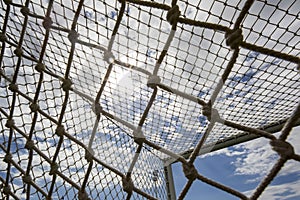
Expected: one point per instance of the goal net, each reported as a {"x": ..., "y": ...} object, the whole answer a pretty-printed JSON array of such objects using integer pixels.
[{"x": 99, "y": 98}]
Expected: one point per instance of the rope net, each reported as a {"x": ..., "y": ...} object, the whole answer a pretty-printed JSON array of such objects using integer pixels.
[{"x": 98, "y": 97}]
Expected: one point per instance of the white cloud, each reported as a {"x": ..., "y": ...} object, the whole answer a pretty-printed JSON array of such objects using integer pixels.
[
  {"x": 256, "y": 158},
  {"x": 279, "y": 192}
]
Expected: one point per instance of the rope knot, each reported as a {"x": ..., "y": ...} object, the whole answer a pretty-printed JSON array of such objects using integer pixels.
[
  {"x": 18, "y": 52},
  {"x": 29, "y": 145},
  {"x": 73, "y": 36},
  {"x": 173, "y": 15},
  {"x": 2, "y": 37},
  {"x": 34, "y": 107},
  {"x": 53, "y": 168},
  {"x": 27, "y": 179},
  {"x": 7, "y": 158},
  {"x": 139, "y": 140},
  {"x": 212, "y": 114},
  {"x": 234, "y": 38},
  {"x": 13, "y": 87},
  {"x": 190, "y": 171},
  {"x": 25, "y": 11},
  {"x": 66, "y": 85},
  {"x": 47, "y": 23},
  {"x": 97, "y": 108},
  {"x": 127, "y": 184},
  {"x": 283, "y": 148},
  {"x": 82, "y": 195},
  {"x": 153, "y": 81},
  {"x": 138, "y": 136},
  {"x": 109, "y": 57},
  {"x": 60, "y": 130},
  {"x": 7, "y": 2},
  {"x": 6, "y": 190},
  {"x": 10, "y": 123},
  {"x": 89, "y": 155},
  {"x": 40, "y": 67}
]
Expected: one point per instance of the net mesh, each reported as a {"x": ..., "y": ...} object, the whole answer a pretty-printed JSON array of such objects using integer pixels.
[{"x": 98, "y": 97}]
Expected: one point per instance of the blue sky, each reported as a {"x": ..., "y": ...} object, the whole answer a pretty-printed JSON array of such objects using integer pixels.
[
  {"x": 231, "y": 167},
  {"x": 240, "y": 167}
]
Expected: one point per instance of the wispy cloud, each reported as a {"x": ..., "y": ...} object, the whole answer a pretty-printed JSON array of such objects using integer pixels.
[
  {"x": 254, "y": 159},
  {"x": 281, "y": 191}
]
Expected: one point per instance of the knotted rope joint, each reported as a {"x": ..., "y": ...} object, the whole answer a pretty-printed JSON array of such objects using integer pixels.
[
  {"x": 109, "y": 57},
  {"x": 173, "y": 15},
  {"x": 7, "y": 158},
  {"x": 66, "y": 85},
  {"x": 138, "y": 136},
  {"x": 97, "y": 108},
  {"x": 73, "y": 36},
  {"x": 234, "y": 38},
  {"x": 139, "y": 140},
  {"x": 18, "y": 52},
  {"x": 7, "y": 2},
  {"x": 83, "y": 195},
  {"x": 60, "y": 130},
  {"x": 13, "y": 87},
  {"x": 212, "y": 114},
  {"x": 153, "y": 81},
  {"x": 6, "y": 190},
  {"x": 283, "y": 148},
  {"x": 25, "y": 11},
  {"x": 53, "y": 168},
  {"x": 27, "y": 179},
  {"x": 10, "y": 123},
  {"x": 189, "y": 171},
  {"x": 47, "y": 23},
  {"x": 29, "y": 145},
  {"x": 40, "y": 67},
  {"x": 89, "y": 155},
  {"x": 127, "y": 184},
  {"x": 34, "y": 107}
]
